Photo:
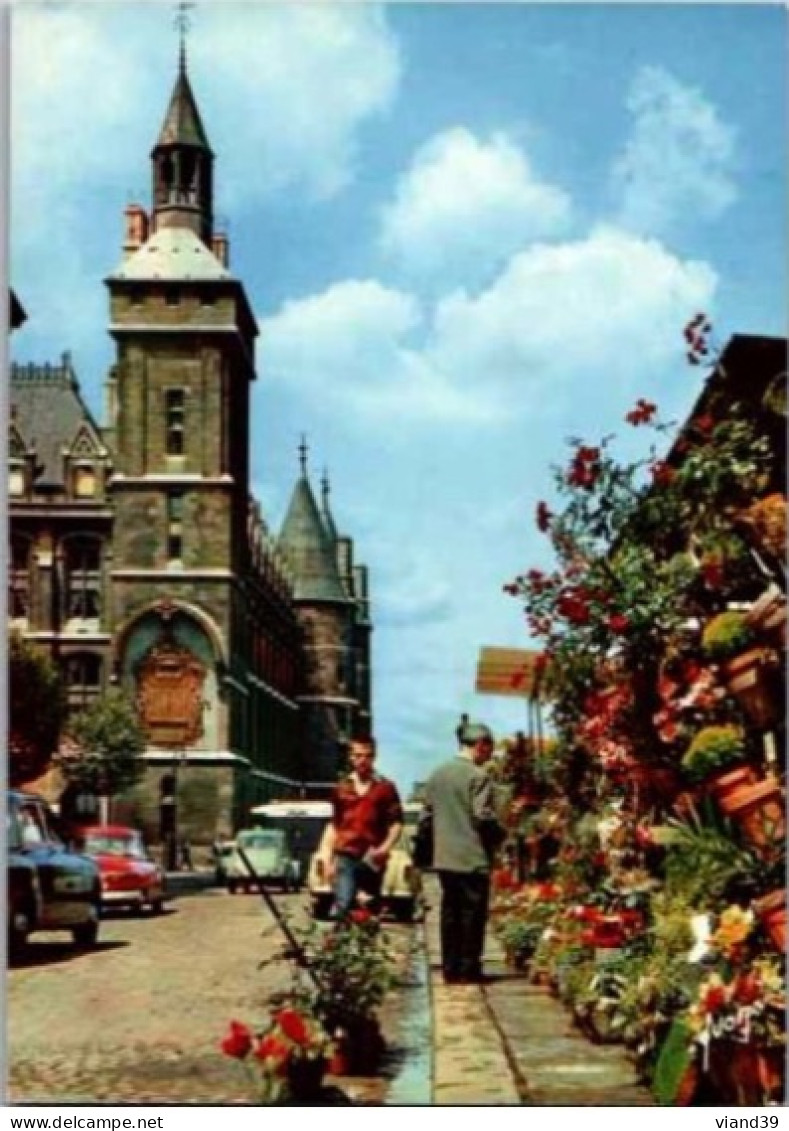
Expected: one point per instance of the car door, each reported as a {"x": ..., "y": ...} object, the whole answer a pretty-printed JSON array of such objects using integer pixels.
[{"x": 66, "y": 881}]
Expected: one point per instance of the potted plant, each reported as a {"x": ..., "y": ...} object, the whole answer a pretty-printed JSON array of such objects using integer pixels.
[
  {"x": 767, "y": 616},
  {"x": 716, "y": 751},
  {"x": 287, "y": 1059},
  {"x": 353, "y": 969},
  {"x": 749, "y": 671},
  {"x": 771, "y": 911}
]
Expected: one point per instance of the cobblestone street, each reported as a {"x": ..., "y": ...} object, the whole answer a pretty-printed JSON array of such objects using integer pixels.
[{"x": 139, "y": 1019}]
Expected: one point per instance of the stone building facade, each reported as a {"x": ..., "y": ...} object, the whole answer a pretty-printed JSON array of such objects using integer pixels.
[{"x": 140, "y": 558}]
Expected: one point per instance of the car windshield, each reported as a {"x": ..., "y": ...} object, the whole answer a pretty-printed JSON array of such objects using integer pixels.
[
  {"x": 270, "y": 838},
  {"x": 104, "y": 844}
]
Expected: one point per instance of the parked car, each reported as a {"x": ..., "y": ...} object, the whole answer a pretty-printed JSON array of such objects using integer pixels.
[
  {"x": 401, "y": 887},
  {"x": 50, "y": 888},
  {"x": 269, "y": 854},
  {"x": 129, "y": 877}
]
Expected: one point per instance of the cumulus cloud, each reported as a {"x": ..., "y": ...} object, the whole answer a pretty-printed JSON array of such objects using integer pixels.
[
  {"x": 677, "y": 164},
  {"x": 465, "y": 204},
  {"x": 610, "y": 305}
]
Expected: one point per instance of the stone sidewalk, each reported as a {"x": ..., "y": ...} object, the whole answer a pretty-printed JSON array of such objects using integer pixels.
[{"x": 509, "y": 1042}]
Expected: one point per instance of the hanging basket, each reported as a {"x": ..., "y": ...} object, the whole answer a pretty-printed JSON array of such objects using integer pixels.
[
  {"x": 760, "y": 811},
  {"x": 753, "y": 678},
  {"x": 771, "y": 911}
]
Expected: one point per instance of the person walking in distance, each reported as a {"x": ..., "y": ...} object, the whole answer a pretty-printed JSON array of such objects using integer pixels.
[
  {"x": 366, "y": 821},
  {"x": 460, "y": 802}
]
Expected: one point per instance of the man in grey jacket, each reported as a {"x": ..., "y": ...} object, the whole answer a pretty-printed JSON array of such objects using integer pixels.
[{"x": 460, "y": 798}]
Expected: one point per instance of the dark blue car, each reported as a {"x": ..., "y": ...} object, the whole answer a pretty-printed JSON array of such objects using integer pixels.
[{"x": 50, "y": 888}]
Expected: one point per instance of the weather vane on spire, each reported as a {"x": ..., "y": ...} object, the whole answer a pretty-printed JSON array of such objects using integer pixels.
[{"x": 182, "y": 23}]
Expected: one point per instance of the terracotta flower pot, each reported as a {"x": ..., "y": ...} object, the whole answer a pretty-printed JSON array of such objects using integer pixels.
[
  {"x": 305, "y": 1078},
  {"x": 760, "y": 811},
  {"x": 771, "y": 910},
  {"x": 753, "y": 678},
  {"x": 725, "y": 786}
]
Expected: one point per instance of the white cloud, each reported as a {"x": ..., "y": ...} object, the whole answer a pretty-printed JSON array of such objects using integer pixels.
[
  {"x": 610, "y": 306},
  {"x": 282, "y": 88},
  {"x": 465, "y": 204},
  {"x": 677, "y": 165}
]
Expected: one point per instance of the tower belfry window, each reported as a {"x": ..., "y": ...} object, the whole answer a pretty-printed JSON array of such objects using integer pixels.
[{"x": 175, "y": 415}]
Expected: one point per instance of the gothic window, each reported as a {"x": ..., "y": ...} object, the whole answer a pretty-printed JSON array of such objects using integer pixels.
[
  {"x": 82, "y": 558},
  {"x": 19, "y": 578},
  {"x": 175, "y": 514},
  {"x": 83, "y": 679},
  {"x": 175, "y": 412},
  {"x": 166, "y": 177}
]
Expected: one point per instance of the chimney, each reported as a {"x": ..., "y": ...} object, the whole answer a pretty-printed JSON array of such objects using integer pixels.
[
  {"x": 220, "y": 247},
  {"x": 136, "y": 229}
]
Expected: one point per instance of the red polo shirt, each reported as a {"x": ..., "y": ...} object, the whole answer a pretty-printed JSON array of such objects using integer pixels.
[{"x": 362, "y": 821}]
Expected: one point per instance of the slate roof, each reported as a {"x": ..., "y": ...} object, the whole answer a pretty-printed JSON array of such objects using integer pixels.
[
  {"x": 172, "y": 253},
  {"x": 308, "y": 549},
  {"x": 48, "y": 412},
  {"x": 182, "y": 123}
]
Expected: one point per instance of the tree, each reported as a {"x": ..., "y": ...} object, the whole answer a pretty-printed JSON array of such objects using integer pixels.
[
  {"x": 110, "y": 741},
  {"x": 36, "y": 710}
]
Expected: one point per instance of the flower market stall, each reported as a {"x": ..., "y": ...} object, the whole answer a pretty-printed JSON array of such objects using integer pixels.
[{"x": 645, "y": 883}]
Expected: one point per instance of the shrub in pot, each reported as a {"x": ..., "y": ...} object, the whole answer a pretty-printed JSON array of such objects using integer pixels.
[
  {"x": 751, "y": 673},
  {"x": 726, "y": 635},
  {"x": 714, "y": 749}
]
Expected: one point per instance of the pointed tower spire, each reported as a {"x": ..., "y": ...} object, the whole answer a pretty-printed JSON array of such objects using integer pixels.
[
  {"x": 303, "y": 452},
  {"x": 328, "y": 518},
  {"x": 182, "y": 158}
]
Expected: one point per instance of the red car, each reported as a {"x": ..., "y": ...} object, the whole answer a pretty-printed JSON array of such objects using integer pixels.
[{"x": 129, "y": 877}]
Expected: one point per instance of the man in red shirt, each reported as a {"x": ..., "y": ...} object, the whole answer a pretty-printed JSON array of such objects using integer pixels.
[{"x": 367, "y": 820}]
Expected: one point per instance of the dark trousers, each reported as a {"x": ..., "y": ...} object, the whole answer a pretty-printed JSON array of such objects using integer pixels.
[
  {"x": 464, "y": 912},
  {"x": 351, "y": 876}
]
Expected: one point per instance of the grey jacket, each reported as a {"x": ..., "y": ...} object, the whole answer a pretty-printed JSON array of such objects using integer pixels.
[{"x": 461, "y": 798}]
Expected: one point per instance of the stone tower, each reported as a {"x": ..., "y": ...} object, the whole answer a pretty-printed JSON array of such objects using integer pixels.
[{"x": 326, "y": 612}]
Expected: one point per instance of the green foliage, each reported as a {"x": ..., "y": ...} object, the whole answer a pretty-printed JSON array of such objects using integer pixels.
[
  {"x": 354, "y": 970},
  {"x": 703, "y": 860},
  {"x": 673, "y": 1062},
  {"x": 714, "y": 748},
  {"x": 36, "y": 710},
  {"x": 111, "y": 741},
  {"x": 726, "y": 635}
]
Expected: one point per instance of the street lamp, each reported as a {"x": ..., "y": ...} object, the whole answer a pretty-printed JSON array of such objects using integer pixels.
[{"x": 169, "y": 810}]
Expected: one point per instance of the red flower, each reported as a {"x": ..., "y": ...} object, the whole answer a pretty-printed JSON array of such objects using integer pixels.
[
  {"x": 511, "y": 588},
  {"x": 618, "y": 622},
  {"x": 746, "y": 989},
  {"x": 662, "y": 474},
  {"x": 642, "y": 413},
  {"x": 714, "y": 999},
  {"x": 238, "y": 1041},
  {"x": 293, "y": 1026},
  {"x": 272, "y": 1048},
  {"x": 712, "y": 574},
  {"x": 543, "y": 516},
  {"x": 585, "y": 468},
  {"x": 573, "y": 607},
  {"x": 704, "y": 424},
  {"x": 361, "y": 915}
]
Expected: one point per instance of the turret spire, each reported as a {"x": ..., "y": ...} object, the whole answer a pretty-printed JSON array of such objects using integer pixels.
[
  {"x": 182, "y": 24},
  {"x": 303, "y": 450}
]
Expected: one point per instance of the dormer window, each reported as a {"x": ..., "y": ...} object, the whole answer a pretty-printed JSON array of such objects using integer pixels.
[
  {"x": 85, "y": 481},
  {"x": 17, "y": 480}
]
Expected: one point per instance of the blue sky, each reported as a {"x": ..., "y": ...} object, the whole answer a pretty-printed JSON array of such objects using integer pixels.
[{"x": 468, "y": 231}]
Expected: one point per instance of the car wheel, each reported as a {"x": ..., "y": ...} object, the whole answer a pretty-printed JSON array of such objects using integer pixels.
[
  {"x": 156, "y": 906},
  {"x": 231, "y": 886},
  {"x": 404, "y": 911},
  {"x": 321, "y": 906},
  {"x": 87, "y": 934},
  {"x": 20, "y": 924}
]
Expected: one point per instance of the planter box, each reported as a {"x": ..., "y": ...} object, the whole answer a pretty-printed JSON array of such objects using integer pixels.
[
  {"x": 726, "y": 786},
  {"x": 760, "y": 810},
  {"x": 771, "y": 911},
  {"x": 753, "y": 678}
]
